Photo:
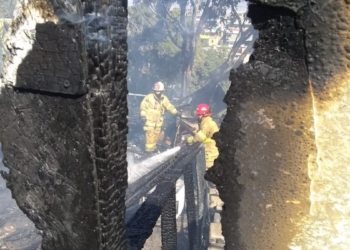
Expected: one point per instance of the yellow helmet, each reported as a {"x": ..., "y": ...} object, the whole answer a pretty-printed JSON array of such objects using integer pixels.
[{"x": 158, "y": 86}]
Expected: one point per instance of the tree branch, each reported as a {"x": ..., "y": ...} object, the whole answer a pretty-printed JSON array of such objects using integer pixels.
[
  {"x": 238, "y": 18},
  {"x": 182, "y": 18},
  {"x": 172, "y": 38},
  {"x": 194, "y": 16},
  {"x": 246, "y": 34},
  {"x": 168, "y": 13},
  {"x": 175, "y": 20},
  {"x": 143, "y": 15},
  {"x": 226, "y": 72},
  {"x": 202, "y": 19},
  {"x": 218, "y": 73}
]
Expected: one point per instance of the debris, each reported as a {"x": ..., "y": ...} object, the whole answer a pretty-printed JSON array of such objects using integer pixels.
[
  {"x": 268, "y": 206},
  {"x": 284, "y": 171},
  {"x": 295, "y": 202}
]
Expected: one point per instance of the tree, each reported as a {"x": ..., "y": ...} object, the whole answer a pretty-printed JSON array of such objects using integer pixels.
[
  {"x": 152, "y": 56},
  {"x": 181, "y": 26},
  {"x": 205, "y": 62}
]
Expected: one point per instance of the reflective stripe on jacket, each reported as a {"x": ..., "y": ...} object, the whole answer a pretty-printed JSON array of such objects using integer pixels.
[
  {"x": 153, "y": 110},
  {"x": 207, "y": 129}
]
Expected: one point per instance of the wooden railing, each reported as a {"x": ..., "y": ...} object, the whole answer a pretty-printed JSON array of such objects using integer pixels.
[{"x": 189, "y": 162}]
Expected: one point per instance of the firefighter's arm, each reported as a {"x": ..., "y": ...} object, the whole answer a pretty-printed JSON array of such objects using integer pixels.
[
  {"x": 169, "y": 106},
  {"x": 144, "y": 107},
  {"x": 214, "y": 128},
  {"x": 200, "y": 136}
]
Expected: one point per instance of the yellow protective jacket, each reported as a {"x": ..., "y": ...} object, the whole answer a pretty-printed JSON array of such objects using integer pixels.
[
  {"x": 153, "y": 110},
  {"x": 207, "y": 129}
]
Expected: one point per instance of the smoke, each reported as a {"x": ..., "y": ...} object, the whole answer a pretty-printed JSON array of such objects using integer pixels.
[
  {"x": 2, "y": 167},
  {"x": 97, "y": 38},
  {"x": 130, "y": 159},
  {"x": 96, "y": 22},
  {"x": 69, "y": 10},
  {"x": 136, "y": 171}
]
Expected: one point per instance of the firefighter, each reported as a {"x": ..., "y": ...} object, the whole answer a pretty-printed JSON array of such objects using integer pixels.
[
  {"x": 207, "y": 128},
  {"x": 152, "y": 109}
]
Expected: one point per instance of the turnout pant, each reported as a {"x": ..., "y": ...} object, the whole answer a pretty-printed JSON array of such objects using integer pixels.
[
  {"x": 210, "y": 158},
  {"x": 152, "y": 137}
]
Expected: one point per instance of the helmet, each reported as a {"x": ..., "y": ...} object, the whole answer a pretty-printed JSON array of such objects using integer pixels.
[
  {"x": 203, "y": 109},
  {"x": 158, "y": 86}
]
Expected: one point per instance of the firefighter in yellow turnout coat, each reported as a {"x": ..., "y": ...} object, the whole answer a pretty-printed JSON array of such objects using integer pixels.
[
  {"x": 152, "y": 110},
  {"x": 207, "y": 129}
]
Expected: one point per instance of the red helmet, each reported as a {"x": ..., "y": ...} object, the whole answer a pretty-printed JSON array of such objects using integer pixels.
[{"x": 203, "y": 109}]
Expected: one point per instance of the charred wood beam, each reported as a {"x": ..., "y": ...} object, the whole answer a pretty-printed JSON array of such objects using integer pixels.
[
  {"x": 191, "y": 207},
  {"x": 65, "y": 144},
  {"x": 108, "y": 105},
  {"x": 168, "y": 223},
  {"x": 197, "y": 203},
  {"x": 140, "y": 227},
  {"x": 297, "y": 78},
  {"x": 202, "y": 197}
]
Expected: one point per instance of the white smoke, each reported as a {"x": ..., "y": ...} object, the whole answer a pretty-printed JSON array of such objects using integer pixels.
[
  {"x": 136, "y": 171},
  {"x": 2, "y": 167}
]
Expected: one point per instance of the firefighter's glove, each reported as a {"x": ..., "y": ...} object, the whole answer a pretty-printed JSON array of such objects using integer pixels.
[
  {"x": 178, "y": 114},
  {"x": 190, "y": 140}
]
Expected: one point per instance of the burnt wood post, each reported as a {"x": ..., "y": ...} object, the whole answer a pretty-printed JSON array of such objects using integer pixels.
[
  {"x": 168, "y": 222},
  {"x": 196, "y": 202},
  {"x": 191, "y": 204},
  {"x": 63, "y": 121},
  {"x": 202, "y": 200}
]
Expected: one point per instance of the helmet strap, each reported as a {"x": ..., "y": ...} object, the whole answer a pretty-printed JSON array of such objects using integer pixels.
[{"x": 158, "y": 95}]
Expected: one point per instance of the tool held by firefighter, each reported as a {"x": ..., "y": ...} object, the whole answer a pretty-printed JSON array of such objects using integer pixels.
[
  {"x": 207, "y": 128},
  {"x": 152, "y": 109}
]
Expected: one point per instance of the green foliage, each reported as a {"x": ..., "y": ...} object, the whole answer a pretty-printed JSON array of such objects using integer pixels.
[
  {"x": 206, "y": 61},
  {"x": 153, "y": 56},
  {"x": 164, "y": 44},
  {"x": 167, "y": 49}
]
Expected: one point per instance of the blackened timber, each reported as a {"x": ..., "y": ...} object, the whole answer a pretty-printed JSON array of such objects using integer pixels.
[
  {"x": 253, "y": 180},
  {"x": 197, "y": 205},
  {"x": 56, "y": 63},
  {"x": 192, "y": 216},
  {"x": 168, "y": 222},
  {"x": 67, "y": 157},
  {"x": 108, "y": 110},
  {"x": 202, "y": 197}
]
